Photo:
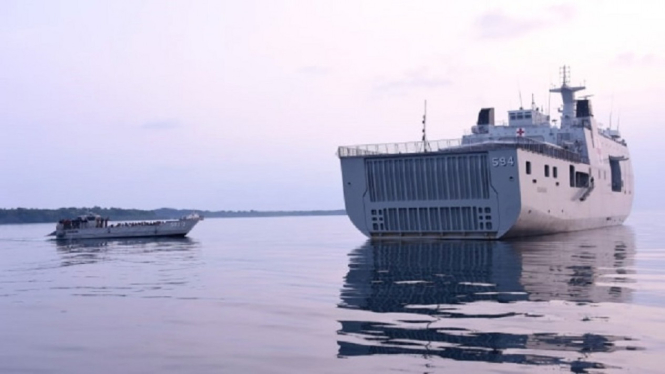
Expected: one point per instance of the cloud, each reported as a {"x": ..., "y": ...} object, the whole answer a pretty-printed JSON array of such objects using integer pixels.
[
  {"x": 562, "y": 12},
  {"x": 416, "y": 79},
  {"x": 631, "y": 59},
  {"x": 314, "y": 70},
  {"x": 161, "y": 125},
  {"x": 495, "y": 24}
]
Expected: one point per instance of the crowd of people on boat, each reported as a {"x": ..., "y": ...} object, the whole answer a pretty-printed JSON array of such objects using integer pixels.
[
  {"x": 79, "y": 222},
  {"x": 100, "y": 222},
  {"x": 132, "y": 224}
]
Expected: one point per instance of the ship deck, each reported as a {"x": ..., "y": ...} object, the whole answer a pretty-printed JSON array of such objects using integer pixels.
[{"x": 456, "y": 146}]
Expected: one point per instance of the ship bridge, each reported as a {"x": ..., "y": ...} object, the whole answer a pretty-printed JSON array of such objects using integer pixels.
[{"x": 528, "y": 117}]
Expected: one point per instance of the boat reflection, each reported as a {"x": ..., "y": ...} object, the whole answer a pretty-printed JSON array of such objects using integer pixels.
[
  {"x": 86, "y": 251},
  {"x": 436, "y": 283}
]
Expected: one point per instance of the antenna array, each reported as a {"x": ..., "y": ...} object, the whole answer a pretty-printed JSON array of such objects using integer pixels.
[{"x": 564, "y": 72}]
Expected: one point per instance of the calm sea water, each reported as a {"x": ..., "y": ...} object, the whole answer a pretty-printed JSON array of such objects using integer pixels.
[{"x": 310, "y": 294}]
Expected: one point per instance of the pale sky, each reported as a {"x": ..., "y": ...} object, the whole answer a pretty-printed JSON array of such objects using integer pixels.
[{"x": 242, "y": 104}]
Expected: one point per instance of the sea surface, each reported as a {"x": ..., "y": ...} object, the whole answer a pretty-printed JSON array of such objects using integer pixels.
[{"x": 312, "y": 295}]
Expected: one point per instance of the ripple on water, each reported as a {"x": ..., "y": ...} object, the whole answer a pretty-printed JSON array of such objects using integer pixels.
[
  {"x": 549, "y": 288},
  {"x": 284, "y": 295}
]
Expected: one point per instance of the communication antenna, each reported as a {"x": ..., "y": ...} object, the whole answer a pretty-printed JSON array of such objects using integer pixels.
[
  {"x": 611, "y": 107},
  {"x": 425, "y": 147},
  {"x": 618, "y": 120},
  {"x": 519, "y": 91},
  {"x": 549, "y": 102}
]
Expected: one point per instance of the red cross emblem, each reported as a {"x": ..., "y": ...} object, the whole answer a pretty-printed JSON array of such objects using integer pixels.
[{"x": 520, "y": 132}]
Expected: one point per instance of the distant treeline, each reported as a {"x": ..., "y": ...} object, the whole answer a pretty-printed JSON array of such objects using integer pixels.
[{"x": 23, "y": 215}]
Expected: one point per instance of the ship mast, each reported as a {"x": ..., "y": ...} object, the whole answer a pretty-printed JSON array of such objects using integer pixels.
[
  {"x": 568, "y": 96},
  {"x": 425, "y": 146}
]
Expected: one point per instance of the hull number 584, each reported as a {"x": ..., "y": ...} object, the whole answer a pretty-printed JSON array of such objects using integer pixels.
[{"x": 502, "y": 161}]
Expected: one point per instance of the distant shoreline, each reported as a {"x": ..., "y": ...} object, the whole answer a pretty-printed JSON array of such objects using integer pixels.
[{"x": 25, "y": 215}]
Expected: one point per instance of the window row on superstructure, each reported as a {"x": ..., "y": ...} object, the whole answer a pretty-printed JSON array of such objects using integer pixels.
[
  {"x": 585, "y": 179},
  {"x": 555, "y": 172}
]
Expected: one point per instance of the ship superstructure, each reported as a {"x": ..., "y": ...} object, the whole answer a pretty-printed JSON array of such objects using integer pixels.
[{"x": 528, "y": 176}]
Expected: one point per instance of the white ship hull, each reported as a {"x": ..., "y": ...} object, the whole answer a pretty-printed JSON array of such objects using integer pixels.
[
  {"x": 179, "y": 228},
  {"x": 546, "y": 207}
]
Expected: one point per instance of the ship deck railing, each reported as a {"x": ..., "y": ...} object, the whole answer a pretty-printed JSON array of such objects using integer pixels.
[
  {"x": 456, "y": 146},
  {"x": 398, "y": 148}
]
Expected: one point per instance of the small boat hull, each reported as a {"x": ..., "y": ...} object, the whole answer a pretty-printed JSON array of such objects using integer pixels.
[{"x": 179, "y": 228}]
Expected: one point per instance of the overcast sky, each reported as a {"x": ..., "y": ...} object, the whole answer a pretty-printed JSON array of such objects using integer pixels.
[{"x": 242, "y": 104}]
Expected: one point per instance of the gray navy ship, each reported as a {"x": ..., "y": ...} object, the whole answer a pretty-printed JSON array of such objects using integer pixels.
[{"x": 529, "y": 176}]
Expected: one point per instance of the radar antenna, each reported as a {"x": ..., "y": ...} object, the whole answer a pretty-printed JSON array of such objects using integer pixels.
[{"x": 564, "y": 71}]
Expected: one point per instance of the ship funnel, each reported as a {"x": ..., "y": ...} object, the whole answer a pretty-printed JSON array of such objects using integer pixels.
[
  {"x": 583, "y": 109},
  {"x": 486, "y": 116}
]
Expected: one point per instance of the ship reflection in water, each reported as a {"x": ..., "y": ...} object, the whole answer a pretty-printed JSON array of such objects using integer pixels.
[
  {"x": 463, "y": 300},
  {"x": 87, "y": 251}
]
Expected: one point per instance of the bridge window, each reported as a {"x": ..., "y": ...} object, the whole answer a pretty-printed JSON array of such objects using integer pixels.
[
  {"x": 528, "y": 167},
  {"x": 554, "y": 172},
  {"x": 547, "y": 170},
  {"x": 513, "y": 116},
  {"x": 572, "y": 176}
]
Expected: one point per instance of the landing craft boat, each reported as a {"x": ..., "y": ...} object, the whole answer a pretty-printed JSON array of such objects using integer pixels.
[
  {"x": 93, "y": 226},
  {"x": 527, "y": 177}
]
